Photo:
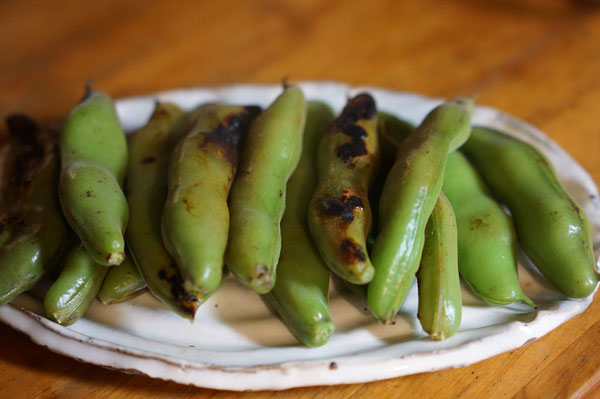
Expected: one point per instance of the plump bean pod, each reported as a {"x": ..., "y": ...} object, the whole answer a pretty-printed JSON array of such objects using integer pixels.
[
  {"x": 551, "y": 227},
  {"x": 487, "y": 242},
  {"x": 339, "y": 215},
  {"x": 150, "y": 150},
  {"x": 32, "y": 230},
  {"x": 72, "y": 293},
  {"x": 93, "y": 152},
  {"x": 270, "y": 155},
  {"x": 409, "y": 195},
  {"x": 122, "y": 283},
  {"x": 300, "y": 295},
  {"x": 195, "y": 221},
  {"x": 440, "y": 301}
]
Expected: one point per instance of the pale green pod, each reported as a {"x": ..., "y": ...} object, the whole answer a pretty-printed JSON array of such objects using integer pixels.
[
  {"x": 410, "y": 192},
  {"x": 122, "y": 283},
  {"x": 440, "y": 302},
  {"x": 93, "y": 152},
  {"x": 257, "y": 201},
  {"x": 300, "y": 295}
]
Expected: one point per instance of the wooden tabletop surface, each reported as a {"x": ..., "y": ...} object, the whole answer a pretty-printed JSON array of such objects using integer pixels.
[{"x": 536, "y": 59}]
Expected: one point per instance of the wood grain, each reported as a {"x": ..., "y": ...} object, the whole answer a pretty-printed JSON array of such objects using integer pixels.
[{"x": 536, "y": 59}]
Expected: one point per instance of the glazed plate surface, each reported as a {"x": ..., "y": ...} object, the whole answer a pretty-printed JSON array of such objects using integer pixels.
[{"x": 236, "y": 343}]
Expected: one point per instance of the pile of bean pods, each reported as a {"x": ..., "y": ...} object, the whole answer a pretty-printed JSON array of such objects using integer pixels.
[{"x": 280, "y": 197}]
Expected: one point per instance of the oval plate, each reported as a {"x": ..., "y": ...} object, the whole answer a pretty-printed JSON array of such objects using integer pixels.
[{"x": 235, "y": 342}]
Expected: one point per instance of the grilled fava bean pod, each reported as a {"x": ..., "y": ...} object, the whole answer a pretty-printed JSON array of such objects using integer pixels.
[
  {"x": 32, "y": 230},
  {"x": 270, "y": 155},
  {"x": 487, "y": 242},
  {"x": 122, "y": 282},
  {"x": 195, "y": 221},
  {"x": 410, "y": 192},
  {"x": 73, "y": 292},
  {"x": 440, "y": 302},
  {"x": 150, "y": 149},
  {"x": 93, "y": 153},
  {"x": 300, "y": 295},
  {"x": 551, "y": 227},
  {"x": 339, "y": 213}
]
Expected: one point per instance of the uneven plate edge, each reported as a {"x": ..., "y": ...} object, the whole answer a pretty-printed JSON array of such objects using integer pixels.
[{"x": 287, "y": 375}]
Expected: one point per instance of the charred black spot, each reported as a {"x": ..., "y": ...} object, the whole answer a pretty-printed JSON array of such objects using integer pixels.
[
  {"x": 352, "y": 252},
  {"x": 229, "y": 134},
  {"x": 148, "y": 160},
  {"x": 360, "y": 107},
  {"x": 280, "y": 193},
  {"x": 178, "y": 293},
  {"x": 28, "y": 133},
  {"x": 88, "y": 193},
  {"x": 343, "y": 207}
]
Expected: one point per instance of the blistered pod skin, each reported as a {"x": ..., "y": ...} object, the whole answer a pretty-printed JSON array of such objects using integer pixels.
[
  {"x": 93, "y": 152},
  {"x": 150, "y": 149},
  {"x": 257, "y": 202},
  {"x": 410, "y": 192},
  {"x": 300, "y": 295},
  {"x": 122, "y": 283},
  {"x": 76, "y": 287},
  {"x": 487, "y": 242},
  {"x": 340, "y": 214},
  {"x": 195, "y": 221},
  {"x": 551, "y": 227},
  {"x": 440, "y": 302},
  {"x": 33, "y": 231}
]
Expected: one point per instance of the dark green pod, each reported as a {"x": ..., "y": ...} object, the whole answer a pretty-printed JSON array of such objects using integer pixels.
[
  {"x": 551, "y": 227},
  {"x": 410, "y": 192},
  {"x": 195, "y": 220},
  {"x": 487, "y": 242},
  {"x": 150, "y": 150},
  {"x": 76, "y": 287},
  {"x": 339, "y": 214},
  {"x": 122, "y": 283},
  {"x": 32, "y": 230},
  {"x": 257, "y": 201},
  {"x": 440, "y": 302},
  {"x": 300, "y": 295},
  {"x": 93, "y": 152}
]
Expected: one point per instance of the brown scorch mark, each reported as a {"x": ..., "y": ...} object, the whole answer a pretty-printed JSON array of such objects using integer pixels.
[
  {"x": 147, "y": 160},
  {"x": 342, "y": 207},
  {"x": 184, "y": 299},
  {"x": 352, "y": 252}
]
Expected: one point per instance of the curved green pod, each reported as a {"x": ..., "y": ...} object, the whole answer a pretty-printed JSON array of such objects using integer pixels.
[
  {"x": 551, "y": 227},
  {"x": 339, "y": 214},
  {"x": 93, "y": 152},
  {"x": 300, "y": 295},
  {"x": 410, "y": 192},
  {"x": 440, "y": 301},
  {"x": 32, "y": 230},
  {"x": 122, "y": 283},
  {"x": 487, "y": 242},
  {"x": 270, "y": 155},
  {"x": 150, "y": 149},
  {"x": 72, "y": 293},
  {"x": 195, "y": 221}
]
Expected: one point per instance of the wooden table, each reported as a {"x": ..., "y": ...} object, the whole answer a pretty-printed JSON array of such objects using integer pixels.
[{"x": 536, "y": 59}]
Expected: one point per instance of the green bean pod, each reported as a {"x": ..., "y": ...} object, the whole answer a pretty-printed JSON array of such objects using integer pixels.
[
  {"x": 440, "y": 301},
  {"x": 270, "y": 155},
  {"x": 551, "y": 227},
  {"x": 300, "y": 295},
  {"x": 150, "y": 150},
  {"x": 339, "y": 214},
  {"x": 72, "y": 293},
  {"x": 93, "y": 152},
  {"x": 122, "y": 283},
  {"x": 195, "y": 221},
  {"x": 409, "y": 195},
  {"x": 487, "y": 242},
  {"x": 32, "y": 230}
]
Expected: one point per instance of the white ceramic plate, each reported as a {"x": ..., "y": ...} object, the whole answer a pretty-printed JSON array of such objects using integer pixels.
[{"x": 236, "y": 343}]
